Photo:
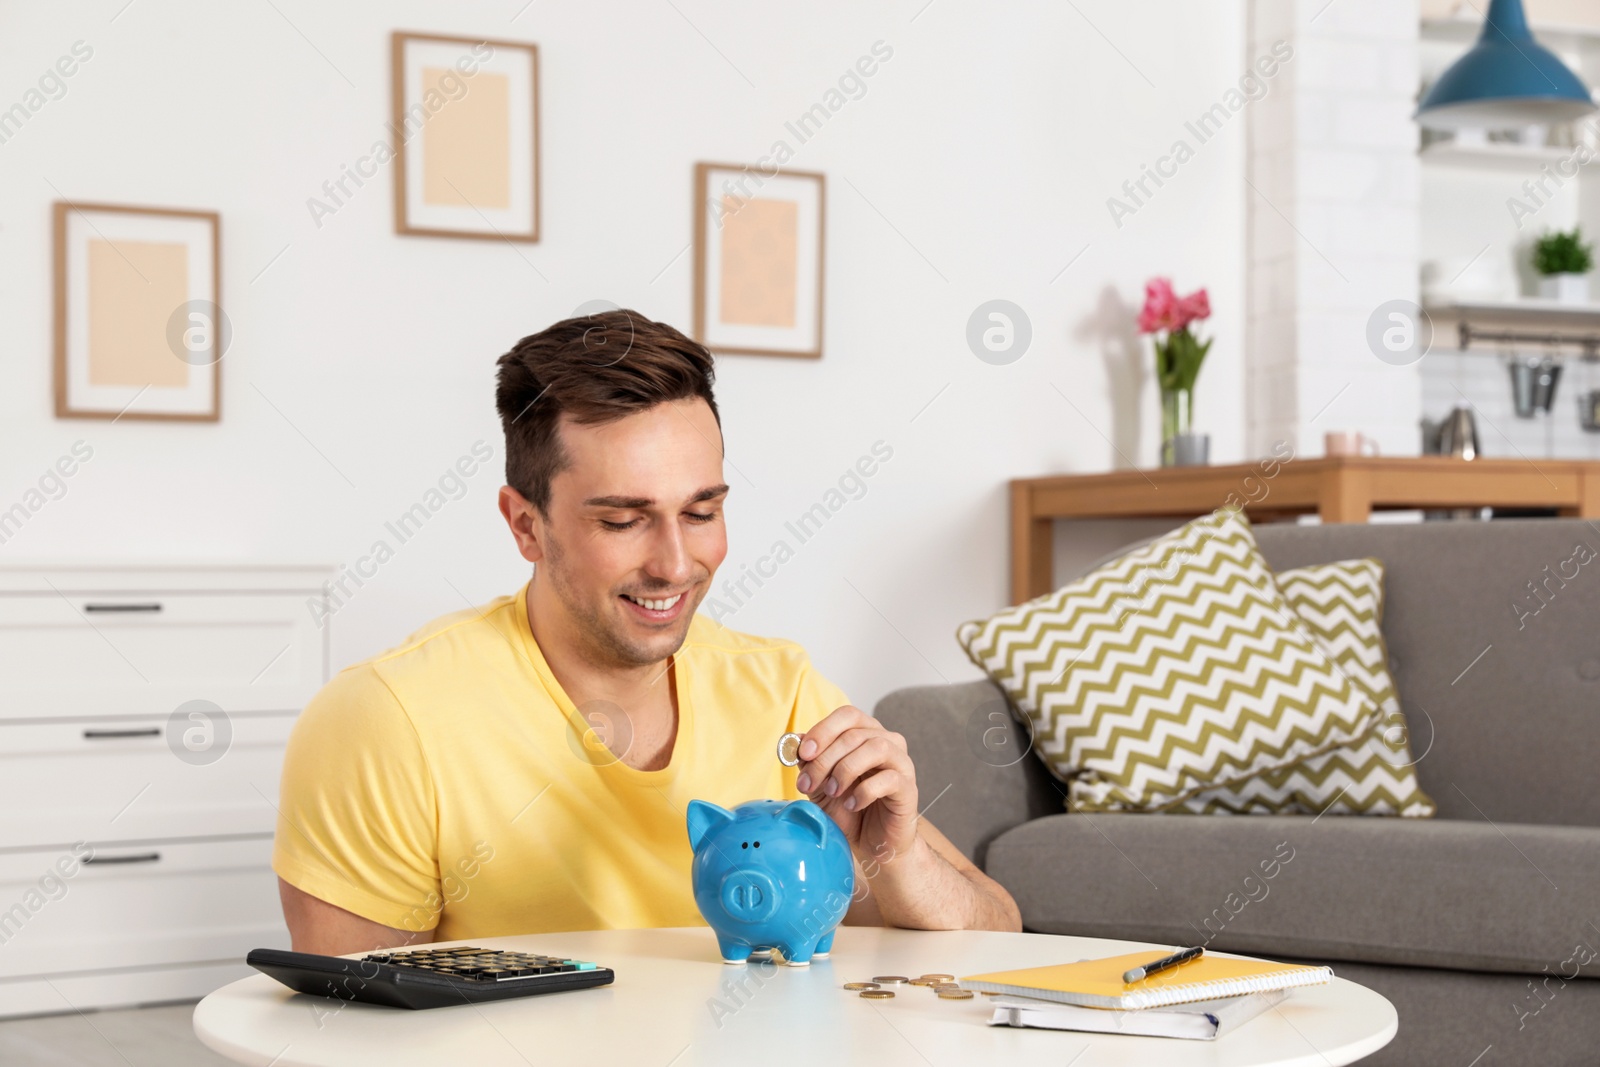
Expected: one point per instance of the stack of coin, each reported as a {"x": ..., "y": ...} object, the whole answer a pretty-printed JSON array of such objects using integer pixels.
[
  {"x": 944, "y": 986},
  {"x": 882, "y": 986}
]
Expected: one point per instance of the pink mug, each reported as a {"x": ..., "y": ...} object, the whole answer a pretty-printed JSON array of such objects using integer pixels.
[{"x": 1348, "y": 443}]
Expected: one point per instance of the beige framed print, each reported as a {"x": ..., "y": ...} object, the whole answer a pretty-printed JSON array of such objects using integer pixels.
[
  {"x": 758, "y": 251},
  {"x": 466, "y": 136},
  {"x": 139, "y": 333}
]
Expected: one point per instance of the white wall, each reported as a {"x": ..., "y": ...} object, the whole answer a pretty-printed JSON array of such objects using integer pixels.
[
  {"x": 976, "y": 166},
  {"x": 1333, "y": 223}
]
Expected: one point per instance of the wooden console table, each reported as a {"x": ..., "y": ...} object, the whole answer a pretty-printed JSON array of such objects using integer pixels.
[{"x": 1340, "y": 489}]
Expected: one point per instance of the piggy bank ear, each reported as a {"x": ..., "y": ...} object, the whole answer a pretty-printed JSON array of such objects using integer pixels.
[
  {"x": 808, "y": 816},
  {"x": 704, "y": 817}
]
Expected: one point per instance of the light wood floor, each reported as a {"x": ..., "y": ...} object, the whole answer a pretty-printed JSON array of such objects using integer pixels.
[{"x": 159, "y": 1036}]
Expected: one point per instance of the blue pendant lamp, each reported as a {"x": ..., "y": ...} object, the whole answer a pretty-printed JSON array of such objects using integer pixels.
[{"x": 1506, "y": 80}]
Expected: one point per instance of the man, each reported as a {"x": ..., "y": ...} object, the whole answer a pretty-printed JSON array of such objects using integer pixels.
[{"x": 525, "y": 766}]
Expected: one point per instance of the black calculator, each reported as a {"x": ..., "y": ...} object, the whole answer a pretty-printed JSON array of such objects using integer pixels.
[{"x": 428, "y": 977}]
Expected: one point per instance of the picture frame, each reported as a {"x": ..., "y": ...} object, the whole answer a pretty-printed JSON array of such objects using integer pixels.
[
  {"x": 465, "y": 126},
  {"x": 139, "y": 331},
  {"x": 759, "y": 244}
]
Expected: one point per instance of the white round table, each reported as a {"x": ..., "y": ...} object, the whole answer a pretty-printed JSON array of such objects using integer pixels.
[{"x": 675, "y": 1004}]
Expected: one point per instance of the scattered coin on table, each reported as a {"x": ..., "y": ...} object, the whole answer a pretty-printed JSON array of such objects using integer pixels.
[
  {"x": 856, "y": 987},
  {"x": 877, "y": 994},
  {"x": 890, "y": 979},
  {"x": 955, "y": 994},
  {"x": 941, "y": 977}
]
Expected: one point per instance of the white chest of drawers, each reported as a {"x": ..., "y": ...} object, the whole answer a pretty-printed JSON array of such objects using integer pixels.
[{"x": 143, "y": 716}]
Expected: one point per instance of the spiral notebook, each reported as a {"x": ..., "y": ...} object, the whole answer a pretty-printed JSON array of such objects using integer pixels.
[{"x": 1098, "y": 983}]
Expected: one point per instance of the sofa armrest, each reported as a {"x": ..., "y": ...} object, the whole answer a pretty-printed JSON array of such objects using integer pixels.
[{"x": 976, "y": 775}]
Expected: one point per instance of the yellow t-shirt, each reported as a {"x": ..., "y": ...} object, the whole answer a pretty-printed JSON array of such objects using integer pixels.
[{"x": 443, "y": 784}]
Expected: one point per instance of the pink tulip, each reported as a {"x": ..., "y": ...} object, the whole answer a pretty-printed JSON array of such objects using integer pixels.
[
  {"x": 1197, "y": 305},
  {"x": 1160, "y": 307},
  {"x": 1165, "y": 310}
]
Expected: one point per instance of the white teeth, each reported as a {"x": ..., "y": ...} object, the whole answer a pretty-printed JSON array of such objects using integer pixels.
[{"x": 655, "y": 605}]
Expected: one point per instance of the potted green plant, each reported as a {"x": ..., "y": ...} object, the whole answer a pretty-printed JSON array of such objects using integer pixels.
[
  {"x": 1563, "y": 261},
  {"x": 1179, "y": 355}
]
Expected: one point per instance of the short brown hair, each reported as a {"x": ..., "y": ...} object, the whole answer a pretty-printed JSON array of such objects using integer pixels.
[{"x": 597, "y": 368}]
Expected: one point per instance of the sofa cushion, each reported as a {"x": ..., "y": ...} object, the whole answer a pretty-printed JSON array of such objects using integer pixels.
[
  {"x": 1342, "y": 605},
  {"x": 1500, "y": 702},
  {"x": 1177, "y": 667},
  {"x": 1428, "y": 893}
]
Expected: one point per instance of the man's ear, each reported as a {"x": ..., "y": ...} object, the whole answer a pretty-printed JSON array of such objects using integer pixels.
[
  {"x": 704, "y": 817},
  {"x": 523, "y": 520}
]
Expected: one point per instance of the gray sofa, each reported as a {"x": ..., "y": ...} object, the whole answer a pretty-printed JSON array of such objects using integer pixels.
[{"x": 1473, "y": 923}]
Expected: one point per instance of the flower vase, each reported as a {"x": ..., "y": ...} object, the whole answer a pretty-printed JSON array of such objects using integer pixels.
[{"x": 1181, "y": 446}]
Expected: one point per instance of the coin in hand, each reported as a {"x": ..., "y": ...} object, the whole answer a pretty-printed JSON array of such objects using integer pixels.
[{"x": 789, "y": 750}]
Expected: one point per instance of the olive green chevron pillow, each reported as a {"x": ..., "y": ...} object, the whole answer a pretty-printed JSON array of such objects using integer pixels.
[
  {"x": 1342, "y": 605},
  {"x": 1178, "y": 667}
]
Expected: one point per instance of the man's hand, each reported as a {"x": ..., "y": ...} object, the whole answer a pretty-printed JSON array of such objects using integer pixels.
[
  {"x": 907, "y": 872},
  {"x": 861, "y": 775}
]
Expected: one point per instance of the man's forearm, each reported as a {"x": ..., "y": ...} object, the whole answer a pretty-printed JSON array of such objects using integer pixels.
[{"x": 921, "y": 890}]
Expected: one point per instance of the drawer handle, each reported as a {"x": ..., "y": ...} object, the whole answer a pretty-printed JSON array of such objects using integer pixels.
[
  {"x": 138, "y": 857},
  {"x": 150, "y": 608},
  {"x": 101, "y": 735}
]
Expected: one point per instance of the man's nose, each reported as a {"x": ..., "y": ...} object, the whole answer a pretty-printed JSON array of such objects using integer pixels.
[{"x": 670, "y": 560}]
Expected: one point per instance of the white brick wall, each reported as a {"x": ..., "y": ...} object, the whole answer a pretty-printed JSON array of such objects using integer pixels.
[
  {"x": 1333, "y": 223},
  {"x": 1482, "y": 377}
]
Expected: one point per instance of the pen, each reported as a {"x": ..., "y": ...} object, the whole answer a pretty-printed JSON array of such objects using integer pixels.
[{"x": 1138, "y": 974}]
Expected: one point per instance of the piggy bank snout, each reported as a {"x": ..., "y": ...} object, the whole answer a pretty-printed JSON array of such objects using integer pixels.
[{"x": 749, "y": 895}]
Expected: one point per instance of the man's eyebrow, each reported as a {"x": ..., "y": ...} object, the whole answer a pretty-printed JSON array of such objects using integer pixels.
[{"x": 710, "y": 492}]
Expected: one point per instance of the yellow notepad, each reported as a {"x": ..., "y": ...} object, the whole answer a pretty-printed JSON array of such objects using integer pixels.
[{"x": 1098, "y": 983}]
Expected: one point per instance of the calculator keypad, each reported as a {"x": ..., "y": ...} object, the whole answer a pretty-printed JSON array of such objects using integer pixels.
[{"x": 478, "y": 964}]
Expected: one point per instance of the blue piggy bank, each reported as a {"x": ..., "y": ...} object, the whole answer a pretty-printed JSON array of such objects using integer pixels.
[{"x": 770, "y": 874}]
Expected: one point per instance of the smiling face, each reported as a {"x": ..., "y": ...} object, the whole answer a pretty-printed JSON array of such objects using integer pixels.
[{"x": 634, "y": 535}]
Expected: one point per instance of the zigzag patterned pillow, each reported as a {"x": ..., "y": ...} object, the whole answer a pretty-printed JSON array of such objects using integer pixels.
[
  {"x": 1177, "y": 667},
  {"x": 1342, "y": 605}
]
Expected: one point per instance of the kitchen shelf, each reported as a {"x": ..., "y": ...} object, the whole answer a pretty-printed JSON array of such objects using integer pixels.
[
  {"x": 1529, "y": 322},
  {"x": 1494, "y": 156},
  {"x": 1526, "y": 312}
]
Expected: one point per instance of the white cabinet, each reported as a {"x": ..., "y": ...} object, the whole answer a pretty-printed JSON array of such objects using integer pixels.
[{"x": 143, "y": 719}]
